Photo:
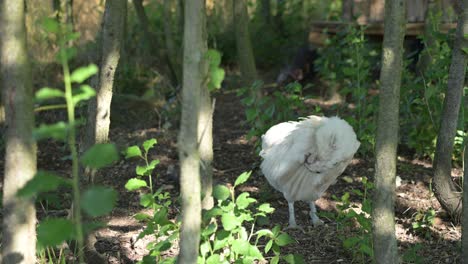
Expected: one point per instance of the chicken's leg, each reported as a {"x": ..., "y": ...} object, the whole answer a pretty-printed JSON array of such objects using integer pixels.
[
  {"x": 292, "y": 218},
  {"x": 313, "y": 215}
]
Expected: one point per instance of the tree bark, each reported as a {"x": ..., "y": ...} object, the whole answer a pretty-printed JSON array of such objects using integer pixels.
[
  {"x": 144, "y": 23},
  {"x": 383, "y": 214},
  {"x": 243, "y": 43},
  {"x": 430, "y": 26},
  {"x": 446, "y": 192},
  {"x": 195, "y": 70},
  {"x": 172, "y": 54},
  {"x": 205, "y": 139},
  {"x": 19, "y": 214},
  {"x": 347, "y": 10},
  {"x": 265, "y": 6},
  {"x": 98, "y": 124},
  {"x": 99, "y": 107},
  {"x": 464, "y": 247}
]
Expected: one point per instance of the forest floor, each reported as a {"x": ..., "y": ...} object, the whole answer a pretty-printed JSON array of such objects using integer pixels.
[{"x": 235, "y": 154}]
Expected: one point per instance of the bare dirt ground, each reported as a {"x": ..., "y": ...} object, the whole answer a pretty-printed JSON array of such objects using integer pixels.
[{"x": 235, "y": 154}]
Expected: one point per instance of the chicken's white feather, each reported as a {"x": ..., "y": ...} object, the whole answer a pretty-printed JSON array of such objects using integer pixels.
[{"x": 302, "y": 159}]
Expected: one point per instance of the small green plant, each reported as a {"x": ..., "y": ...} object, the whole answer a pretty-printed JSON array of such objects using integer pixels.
[
  {"x": 229, "y": 234},
  {"x": 423, "y": 93},
  {"x": 95, "y": 201},
  {"x": 347, "y": 62},
  {"x": 158, "y": 225},
  {"x": 423, "y": 220},
  {"x": 262, "y": 112},
  {"x": 358, "y": 221},
  {"x": 411, "y": 255}
]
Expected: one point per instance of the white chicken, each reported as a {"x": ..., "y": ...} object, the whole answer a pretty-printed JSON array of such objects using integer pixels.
[{"x": 302, "y": 159}]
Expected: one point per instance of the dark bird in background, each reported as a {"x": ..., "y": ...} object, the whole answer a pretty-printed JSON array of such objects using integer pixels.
[
  {"x": 302, "y": 159},
  {"x": 301, "y": 68}
]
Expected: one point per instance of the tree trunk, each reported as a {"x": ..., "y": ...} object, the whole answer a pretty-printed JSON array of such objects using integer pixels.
[
  {"x": 205, "y": 139},
  {"x": 464, "y": 247},
  {"x": 99, "y": 107},
  {"x": 446, "y": 192},
  {"x": 19, "y": 215},
  {"x": 144, "y": 23},
  {"x": 464, "y": 253},
  {"x": 194, "y": 74},
  {"x": 266, "y": 12},
  {"x": 430, "y": 26},
  {"x": 347, "y": 10},
  {"x": 98, "y": 124},
  {"x": 243, "y": 43},
  {"x": 383, "y": 213},
  {"x": 172, "y": 55}
]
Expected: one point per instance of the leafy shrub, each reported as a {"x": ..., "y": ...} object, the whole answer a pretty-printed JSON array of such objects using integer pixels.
[
  {"x": 357, "y": 220},
  {"x": 423, "y": 96},
  {"x": 95, "y": 201},
  {"x": 229, "y": 234},
  {"x": 158, "y": 225},
  {"x": 262, "y": 112},
  {"x": 348, "y": 61}
]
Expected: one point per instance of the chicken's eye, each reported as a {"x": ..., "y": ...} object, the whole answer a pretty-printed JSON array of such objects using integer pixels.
[{"x": 318, "y": 172}]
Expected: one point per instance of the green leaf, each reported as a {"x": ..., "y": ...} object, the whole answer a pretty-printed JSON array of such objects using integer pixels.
[
  {"x": 53, "y": 231},
  {"x": 213, "y": 212},
  {"x": 146, "y": 200},
  {"x": 50, "y": 25},
  {"x": 229, "y": 221},
  {"x": 214, "y": 57},
  {"x": 465, "y": 50},
  {"x": 146, "y": 170},
  {"x": 221, "y": 192},
  {"x": 135, "y": 184},
  {"x": 98, "y": 200},
  {"x": 266, "y": 208},
  {"x": 216, "y": 79},
  {"x": 100, "y": 155},
  {"x": 243, "y": 201},
  {"x": 162, "y": 246},
  {"x": 275, "y": 260},
  {"x": 264, "y": 232},
  {"x": 48, "y": 93},
  {"x": 351, "y": 242},
  {"x": 284, "y": 239},
  {"x": 243, "y": 247},
  {"x": 84, "y": 92},
  {"x": 133, "y": 151},
  {"x": 294, "y": 259},
  {"x": 142, "y": 217},
  {"x": 148, "y": 144},
  {"x": 43, "y": 181},
  {"x": 140, "y": 170},
  {"x": 83, "y": 73},
  {"x": 57, "y": 131},
  {"x": 70, "y": 53},
  {"x": 205, "y": 247},
  {"x": 221, "y": 240},
  {"x": 366, "y": 249},
  {"x": 242, "y": 178},
  {"x": 268, "y": 246},
  {"x": 213, "y": 259},
  {"x": 210, "y": 229}
]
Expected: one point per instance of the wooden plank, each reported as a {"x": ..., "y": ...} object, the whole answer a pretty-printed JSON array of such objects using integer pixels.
[{"x": 412, "y": 29}]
